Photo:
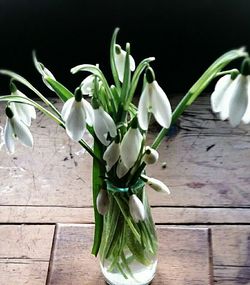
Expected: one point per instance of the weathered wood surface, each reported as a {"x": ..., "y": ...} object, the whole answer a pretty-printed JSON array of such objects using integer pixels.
[
  {"x": 184, "y": 257},
  {"x": 209, "y": 155},
  {"x": 207, "y": 170},
  {"x": 25, "y": 253}
]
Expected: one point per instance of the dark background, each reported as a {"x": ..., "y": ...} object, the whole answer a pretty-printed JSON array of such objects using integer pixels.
[{"x": 184, "y": 36}]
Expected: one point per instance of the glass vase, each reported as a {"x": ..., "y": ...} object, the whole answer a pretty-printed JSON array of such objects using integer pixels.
[{"x": 128, "y": 252}]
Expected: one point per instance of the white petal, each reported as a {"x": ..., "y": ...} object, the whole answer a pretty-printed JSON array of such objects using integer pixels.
[
  {"x": 66, "y": 108},
  {"x": 161, "y": 107},
  {"x": 158, "y": 185},
  {"x": 130, "y": 147},
  {"x": 132, "y": 63},
  {"x": 136, "y": 209},
  {"x": 75, "y": 123},
  {"x": 103, "y": 125},
  {"x": 120, "y": 63},
  {"x": 47, "y": 73},
  {"x": 239, "y": 100},
  {"x": 22, "y": 132},
  {"x": 9, "y": 137},
  {"x": 102, "y": 202},
  {"x": 151, "y": 157},
  {"x": 87, "y": 84},
  {"x": 89, "y": 112},
  {"x": 121, "y": 169},
  {"x": 143, "y": 108},
  {"x": 111, "y": 155},
  {"x": 219, "y": 92},
  {"x": 246, "y": 117}
]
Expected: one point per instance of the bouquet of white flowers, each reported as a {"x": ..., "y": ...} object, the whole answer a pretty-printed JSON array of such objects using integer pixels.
[{"x": 125, "y": 236}]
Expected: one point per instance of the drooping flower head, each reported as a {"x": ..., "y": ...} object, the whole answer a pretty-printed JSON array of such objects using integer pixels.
[
  {"x": 153, "y": 100},
  {"x": 136, "y": 209},
  {"x": 104, "y": 125},
  {"x": 15, "y": 129},
  {"x": 24, "y": 111},
  {"x": 120, "y": 56},
  {"x": 131, "y": 145},
  {"x": 76, "y": 113},
  {"x": 231, "y": 95}
]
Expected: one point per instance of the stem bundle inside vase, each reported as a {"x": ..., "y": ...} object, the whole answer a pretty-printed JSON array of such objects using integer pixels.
[{"x": 124, "y": 236}]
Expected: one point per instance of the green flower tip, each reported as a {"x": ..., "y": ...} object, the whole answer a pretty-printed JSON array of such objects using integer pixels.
[
  {"x": 95, "y": 103},
  {"x": 134, "y": 123},
  {"x": 245, "y": 67},
  {"x": 13, "y": 87},
  {"x": 234, "y": 74},
  {"x": 118, "y": 49},
  {"x": 78, "y": 96},
  {"x": 150, "y": 75},
  {"x": 9, "y": 113}
]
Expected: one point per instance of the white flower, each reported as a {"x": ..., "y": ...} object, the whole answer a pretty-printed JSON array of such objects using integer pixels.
[
  {"x": 43, "y": 71},
  {"x": 102, "y": 202},
  {"x": 218, "y": 96},
  {"x": 111, "y": 155},
  {"x": 136, "y": 209},
  {"x": 246, "y": 117},
  {"x": 76, "y": 114},
  {"x": 151, "y": 155},
  {"x": 153, "y": 99},
  {"x": 131, "y": 146},
  {"x": 120, "y": 56},
  {"x": 16, "y": 129},
  {"x": 156, "y": 184},
  {"x": 24, "y": 111},
  {"x": 121, "y": 169},
  {"x": 104, "y": 125},
  {"x": 87, "y": 85},
  {"x": 230, "y": 99}
]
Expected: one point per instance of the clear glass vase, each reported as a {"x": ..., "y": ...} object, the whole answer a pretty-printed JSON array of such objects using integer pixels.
[{"x": 128, "y": 252}]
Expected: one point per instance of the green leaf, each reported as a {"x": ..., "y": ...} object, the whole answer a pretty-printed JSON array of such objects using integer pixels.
[
  {"x": 112, "y": 59},
  {"x": 25, "y": 82},
  {"x": 127, "y": 76},
  {"x": 63, "y": 93},
  {"x": 97, "y": 182}
]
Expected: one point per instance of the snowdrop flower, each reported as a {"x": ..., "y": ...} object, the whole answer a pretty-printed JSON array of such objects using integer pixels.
[
  {"x": 104, "y": 126},
  {"x": 120, "y": 56},
  {"x": 76, "y": 113},
  {"x": 16, "y": 129},
  {"x": 156, "y": 184},
  {"x": 87, "y": 85},
  {"x": 102, "y": 202},
  {"x": 136, "y": 209},
  {"x": 153, "y": 99},
  {"x": 111, "y": 155},
  {"x": 121, "y": 169},
  {"x": 24, "y": 111},
  {"x": 218, "y": 96},
  {"x": 231, "y": 96},
  {"x": 131, "y": 145},
  {"x": 151, "y": 155},
  {"x": 43, "y": 71}
]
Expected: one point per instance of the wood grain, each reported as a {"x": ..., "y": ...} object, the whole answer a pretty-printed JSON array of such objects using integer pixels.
[
  {"x": 184, "y": 257},
  {"x": 25, "y": 253}
]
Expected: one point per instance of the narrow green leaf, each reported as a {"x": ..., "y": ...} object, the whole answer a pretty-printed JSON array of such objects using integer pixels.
[
  {"x": 127, "y": 76},
  {"x": 63, "y": 93},
  {"x": 112, "y": 59},
  {"x": 97, "y": 182}
]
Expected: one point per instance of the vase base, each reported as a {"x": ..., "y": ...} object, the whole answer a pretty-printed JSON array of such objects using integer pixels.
[{"x": 143, "y": 277}]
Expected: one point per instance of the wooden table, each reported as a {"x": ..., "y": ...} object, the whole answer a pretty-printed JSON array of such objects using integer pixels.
[{"x": 204, "y": 225}]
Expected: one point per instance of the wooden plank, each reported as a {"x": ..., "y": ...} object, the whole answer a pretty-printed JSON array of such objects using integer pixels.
[
  {"x": 162, "y": 215},
  {"x": 26, "y": 241},
  {"x": 231, "y": 247},
  {"x": 184, "y": 257},
  {"x": 23, "y": 272},
  {"x": 25, "y": 253},
  {"x": 208, "y": 153}
]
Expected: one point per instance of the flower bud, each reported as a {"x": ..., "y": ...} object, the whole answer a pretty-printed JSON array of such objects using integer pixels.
[
  {"x": 102, "y": 202},
  {"x": 151, "y": 155},
  {"x": 136, "y": 208},
  {"x": 156, "y": 184}
]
